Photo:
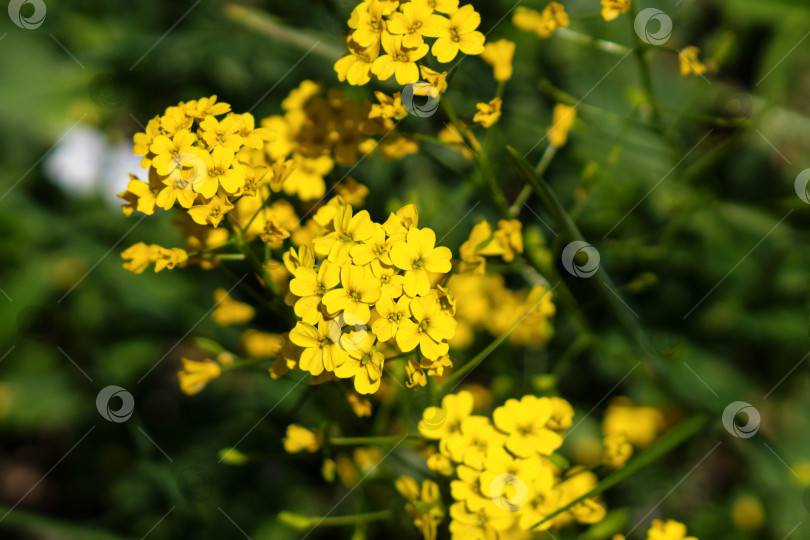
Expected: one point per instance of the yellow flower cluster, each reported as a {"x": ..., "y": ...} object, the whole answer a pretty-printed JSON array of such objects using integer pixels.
[
  {"x": 503, "y": 478},
  {"x": 626, "y": 426},
  {"x": 372, "y": 283},
  {"x": 203, "y": 157},
  {"x": 322, "y": 128},
  {"x": 388, "y": 38},
  {"x": 542, "y": 23},
  {"x": 424, "y": 505}
]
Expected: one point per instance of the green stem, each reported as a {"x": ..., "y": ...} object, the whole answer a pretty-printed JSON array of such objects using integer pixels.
[
  {"x": 261, "y": 22},
  {"x": 363, "y": 441},
  {"x": 601, "y": 279},
  {"x": 303, "y": 523},
  {"x": 601, "y": 44},
  {"x": 540, "y": 170}
]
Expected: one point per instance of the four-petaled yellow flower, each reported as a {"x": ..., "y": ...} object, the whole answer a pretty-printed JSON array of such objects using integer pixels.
[
  {"x": 431, "y": 331},
  {"x": 359, "y": 291},
  {"x": 488, "y": 113},
  {"x": 364, "y": 362},
  {"x": 398, "y": 60},
  {"x": 417, "y": 255},
  {"x": 526, "y": 423},
  {"x": 320, "y": 352},
  {"x": 456, "y": 33}
]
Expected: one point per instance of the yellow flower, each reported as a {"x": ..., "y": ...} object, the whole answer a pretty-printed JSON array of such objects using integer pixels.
[
  {"x": 258, "y": 344},
  {"x": 375, "y": 251},
  {"x": 436, "y": 80},
  {"x": 668, "y": 530},
  {"x": 360, "y": 406},
  {"x": 320, "y": 352},
  {"x": 367, "y": 20},
  {"x": 526, "y": 423},
  {"x": 274, "y": 234},
  {"x": 409, "y": 20},
  {"x": 360, "y": 290},
  {"x": 445, "y": 422},
  {"x": 613, "y": 8},
  {"x": 457, "y": 33},
  {"x": 210, "y": 213},
  {"x": 578, "y": 482},
  {"x": 561, "y": 122},
  {"x": 499, "y": 54},
  {"x": 485, "y": 524},
  {"x": 223, "y": 132},
  {"x": 218, "y": 173},
  {"x": 641, "y": 425},
  {"x": 229, "y": 311},
  {"x": 306, "y": 179},
  {"x": 543, "y": 24},
  {"x": 352, "y": 192},
  {"x": 349, "y": 230},
  {"x": 425, "y": 505},
  {"x": 364, "y": 362},
  {"x": 417, "y": 255},
  {"x": 300, "y": 438},
  {"x": 398, "y": 60},
  {"x": 389, "y": 107},
  {"x": 355, "y": 67},
  {"x": 139, "y": 257},
  {"x": 617, "y": 450},
  {"x": 689, "y": 61},
  {"x": 392, "y": 313},
  {"x": 167, "y": 149},
  {"x": 195, "y": 375},
  {"x": 310, "y": 288},
  {"x": 140, "y": 197},
  {"x": 430, "y": 331},
  {"x": 202, "y": 107},
  {"x": 175, "y": 190},
  {"x": 488, "y": 113}
]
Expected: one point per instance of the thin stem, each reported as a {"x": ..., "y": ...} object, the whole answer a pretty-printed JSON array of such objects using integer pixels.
[
  {"x": 542, "y": 166},
  {"x": 364, "y": 441},
  {"x": 303, "y": 523},
  {"x": 261, "y": 22},
  {"x": 601, "y": 44}
]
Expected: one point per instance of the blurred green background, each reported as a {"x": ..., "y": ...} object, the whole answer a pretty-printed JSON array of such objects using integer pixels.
[{"x": 723, "y": 221}]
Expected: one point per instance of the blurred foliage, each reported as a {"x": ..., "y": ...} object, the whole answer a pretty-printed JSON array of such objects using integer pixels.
[{"x": 72, "y": 322}]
